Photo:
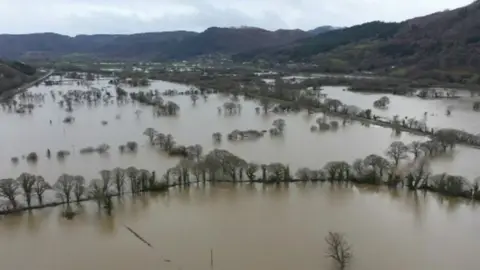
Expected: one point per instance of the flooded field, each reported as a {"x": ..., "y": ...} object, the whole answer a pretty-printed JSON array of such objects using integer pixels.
[
  {"x": 194, "y": 124},
  {"x": 462, "y": 117},
  {"x": 250, "y": 227},
  {"x": 247, "y": 226}
]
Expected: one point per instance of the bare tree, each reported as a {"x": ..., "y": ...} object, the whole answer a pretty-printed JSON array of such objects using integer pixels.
[
  {"x": 265, "y": 104},
  {"x": 397, "y": 151},
  {"x": 194, "y": 98},
  {"x": 359, "y": 166},
  {"x": 132, "y": 174},
  {"x": 100, "y": 190},
  {"x": 338, "y": 249},
  {"x": 231, "y": 164},
  {"x": 9, "y": 190},
  {"x": 475, "y": 187},
  {"x": 150, "y": 132},
  {"x": 40, "y": 187},
  {"x": 378, "y": 165},
  {"x": 279, "y": 124},
  {"x": 419, "y": 173},
  {"x": 195, "y": 151},
  {"x": 26, "y": 182},
  {"x": 230, "y": 107},
  {"x": 338, "y": 170},
  {"x": 305, "y": 174},
  {"x": 143, "y": 179},
  {"x": 79, "y": 189},
  {"x": 119, "y": 180},
  {"x": 217, "y": 137},
  {"x": 415, "y": 148},
  {"x": 252, "y": 168},
  {"x": 106, "y": 176},
  {"x": 64, "y": 187},
  {"x": 333, "y": 104},
  {"x": 276, "y": 171},
  {"x": 95, "y": 190},
  {"x": 166, "y": 142},
  {"x": 196, "y": 170},
  {"x": 447, "y": 137}
]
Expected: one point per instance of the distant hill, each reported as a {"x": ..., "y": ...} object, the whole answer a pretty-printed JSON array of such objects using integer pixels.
[
  {"x": 232, "y": 40},
  {"x": 145, "y": 46},
  {"x": 443, "y": 46},
  {"x": 51, "y": 45}
]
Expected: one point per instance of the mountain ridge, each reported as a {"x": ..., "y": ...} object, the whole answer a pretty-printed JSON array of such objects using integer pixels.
[{"x": 146, "y": 46}]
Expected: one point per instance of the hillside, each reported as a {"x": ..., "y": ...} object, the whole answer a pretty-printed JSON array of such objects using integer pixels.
[
  {"x": 145, "y": 46},
  {"x": 443, "y": 46},
  {"x": 14, "y": 74},
  {"x": 324, "y": 42}
]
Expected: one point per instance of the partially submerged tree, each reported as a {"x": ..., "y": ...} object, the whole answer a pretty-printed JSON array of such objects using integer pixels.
[
  {"x": 9, "y": 189},
  {"x": 305, "y": 174},
  {"x": 194, "y": 98},
  {"x": 132, "y": 174},
  {"x": 195, "y": 152},
  {"x": 79, "y": 188},
  {"x": 276, "y": 171},
  {"x": 279, "y": 124},
  {"x": 338, "y": 249},
  {"x": 150, "y": 133},
  {"x": 95, "y": 190},
  {"x": 338, "y": 170},
  {"x": 415, "y": 148},
  {"x": 119, "y": 180},
  {"x": 40, "y": 187},
  {"x": 26, "y": 183},
  {"x": 397, "y": 151},
  {"x": 419, "y": 173},
  {"x": 266, "y": 104},
  {"x": 377, "y": 166},
  {"x": 32, "y": 157},
  {"x": 166, "y": 142},
  {"x": 251, "y": 170},
  {"x": 217, "y": 137},
  {"x": 64, "y": 187}
]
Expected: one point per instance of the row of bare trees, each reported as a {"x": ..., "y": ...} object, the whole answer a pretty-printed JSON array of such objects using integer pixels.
[
  {"x": 404, "y": 165},
  {"x": 74, "y": 188}
]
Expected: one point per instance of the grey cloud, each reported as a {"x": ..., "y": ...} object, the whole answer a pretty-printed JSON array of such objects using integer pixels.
[{"x": 128, "y": 16}]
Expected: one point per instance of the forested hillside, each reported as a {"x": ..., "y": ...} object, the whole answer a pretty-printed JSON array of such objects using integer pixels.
[{"x": 442, "y": 46}]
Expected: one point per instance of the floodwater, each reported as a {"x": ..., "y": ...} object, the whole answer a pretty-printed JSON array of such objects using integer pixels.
[
  {"x": 250, "y": 227},
  {"x": 462, "y": 117},
  {"x": 195, "y": 124}
]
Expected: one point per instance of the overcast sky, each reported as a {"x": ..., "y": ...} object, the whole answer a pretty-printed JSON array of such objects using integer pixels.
[{"x": 73, "y": 17}]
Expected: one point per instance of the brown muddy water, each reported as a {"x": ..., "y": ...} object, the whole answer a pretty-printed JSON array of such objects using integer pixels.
[
  {"x": 247, "y": 227},
  {"x": 22, "y": 134}
]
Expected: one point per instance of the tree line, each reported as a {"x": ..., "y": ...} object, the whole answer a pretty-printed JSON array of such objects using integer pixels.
[
  {"x": 396, "y": 170},
  {"x": 75, "y": 189}
]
